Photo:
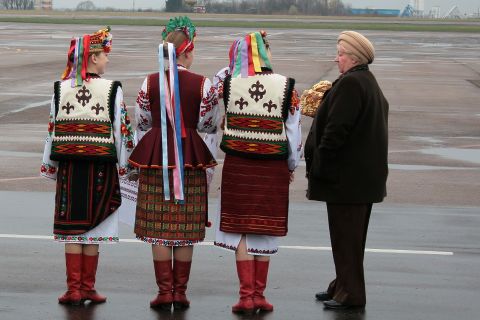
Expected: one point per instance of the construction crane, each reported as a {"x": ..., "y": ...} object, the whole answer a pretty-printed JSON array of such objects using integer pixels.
[
  {"x": 409, "y": 11},
  {"x": 414, "y": 9},
  {"x": 453, "y": 13}
]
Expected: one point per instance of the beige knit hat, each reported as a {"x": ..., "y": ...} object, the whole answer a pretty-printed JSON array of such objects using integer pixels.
[{"x": 356, "y": 44}]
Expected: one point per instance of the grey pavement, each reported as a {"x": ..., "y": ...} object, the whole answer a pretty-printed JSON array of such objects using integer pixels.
[
  {"x": 442, "y": 283},
  {"x": 423, "y": 246}
]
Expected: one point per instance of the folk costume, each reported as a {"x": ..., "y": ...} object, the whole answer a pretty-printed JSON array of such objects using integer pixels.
[
  {"x": 262, "y": 142},
  {"x": 87, "y": 148},
  {"x": 172, "y": 206}
]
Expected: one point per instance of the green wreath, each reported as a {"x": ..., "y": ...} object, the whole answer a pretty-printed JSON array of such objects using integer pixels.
[{"x": 183, "y": 24}]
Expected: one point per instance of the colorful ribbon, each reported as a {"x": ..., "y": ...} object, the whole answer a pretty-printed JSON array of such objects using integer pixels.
[
  {"x": 76, "y": 70},
  {"x": 244, "y": 59},
  {"x": 263, "y": 50},
  {"x": 238, "y": 59},
  {"x": 179, "y": 129},
  {"x": 163, "y": 123},
  {"x": 247, "y": 54},
  {"x": 232, "y": 55},
  {"x": 171, "y": 110},
  {"x": 255, "y": 56}
]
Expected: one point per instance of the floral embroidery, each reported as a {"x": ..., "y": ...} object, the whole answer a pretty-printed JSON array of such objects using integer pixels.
[
  {"x": 63, "y": 238},
  {"x": 209, "y": 102},
  {"x": 123, "y": 170},
  {"x": 99, "y": 182},
  {"x": 47, "y": 168},
  {"x": 126, "y": 128},
  {"x": 143, "y": 122},
  {"x": 218, "y": 81},
  {"x": 51, "y": 126},
  {"x": 208, "y": 123},
  {"x": 220, "y": 90},
  {"x": 167, "y": 243},
  {"x": 143, "y": 101},
  {"x": 295, "y": 103}
]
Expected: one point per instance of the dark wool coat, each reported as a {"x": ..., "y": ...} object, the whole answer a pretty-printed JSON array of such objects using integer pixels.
[{"x": 347, "y": 147}]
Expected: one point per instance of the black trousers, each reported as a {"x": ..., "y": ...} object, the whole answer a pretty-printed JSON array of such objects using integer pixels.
[{"x": 348, "y": 226}]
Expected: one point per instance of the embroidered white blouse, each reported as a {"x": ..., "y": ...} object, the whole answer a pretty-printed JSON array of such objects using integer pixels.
[{"x": 122, "y": 133}]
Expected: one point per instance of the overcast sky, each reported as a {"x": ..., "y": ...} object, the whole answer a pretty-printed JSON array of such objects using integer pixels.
[{"x": 468, "y": 6}]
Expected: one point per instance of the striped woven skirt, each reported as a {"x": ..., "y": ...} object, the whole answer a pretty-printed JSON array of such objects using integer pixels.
[
  {"x": 87, "y": 194},
  {"x": 164, "y": 222},
  {"x": 254, "y": 196}
]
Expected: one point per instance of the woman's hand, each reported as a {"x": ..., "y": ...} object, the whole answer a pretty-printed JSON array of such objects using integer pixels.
[{"x": 292, "y": 176}]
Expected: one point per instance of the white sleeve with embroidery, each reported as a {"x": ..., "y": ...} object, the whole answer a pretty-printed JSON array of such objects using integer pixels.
[
  {"x": 143, "y": 114},
  {"x": 294, "y": 135},
  {"x": 49, "y": 167},
  {"x": 208, "y": 117},
  {"x": 219, "y": 79},
  {"x": 123, "y": 135}
]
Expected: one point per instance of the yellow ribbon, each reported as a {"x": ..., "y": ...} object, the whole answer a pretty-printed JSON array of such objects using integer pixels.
[{"x": 255, "y": 56}]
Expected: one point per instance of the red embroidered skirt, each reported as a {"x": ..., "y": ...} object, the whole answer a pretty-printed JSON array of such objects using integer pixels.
[
  {"x": 87, "y": 193},
  {"x": 157, "y": 218},
  {"x": 254, "y": 196}
]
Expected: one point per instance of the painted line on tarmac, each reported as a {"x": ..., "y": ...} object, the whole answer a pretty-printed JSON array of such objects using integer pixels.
[
  {"x": 210, "y": 243},
  {"x": 395, "y": 251},
  {"x": 28, "y": 106},
  {"x": 15, "y": 94},
  {"x": 402, "y": 167},
  {"x": 20, "y": 179}
]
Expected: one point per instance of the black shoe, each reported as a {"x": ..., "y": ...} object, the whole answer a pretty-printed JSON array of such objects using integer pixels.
[
  {"x": 179, "y": 306},
  {"x": 334, "y": 305},
  {"x": 322, "y": 296}
]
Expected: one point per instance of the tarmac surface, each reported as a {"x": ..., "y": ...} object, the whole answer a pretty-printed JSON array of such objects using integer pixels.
[{"x": 423, "y": 244}]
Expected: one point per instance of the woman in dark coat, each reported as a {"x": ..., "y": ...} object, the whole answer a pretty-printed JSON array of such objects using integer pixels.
[{"x": 346, "y": 153}]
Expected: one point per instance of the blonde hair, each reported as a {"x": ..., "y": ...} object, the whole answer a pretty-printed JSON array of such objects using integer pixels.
[
  {"x": 177, "y": 38},
  {"x": 341, "y": 45}
]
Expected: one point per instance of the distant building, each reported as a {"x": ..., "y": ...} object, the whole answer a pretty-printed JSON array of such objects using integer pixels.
[
  {"x": 375, "y": 12},
  {"x": 419, "y": 6},
  {"x": 198, "y": 6},
  {"x": 199, "y": 9},
  {"x": 43, "y": 4}
]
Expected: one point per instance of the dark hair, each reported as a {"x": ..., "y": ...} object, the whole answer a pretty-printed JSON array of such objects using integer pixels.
[
  {"x": 71, "y": 58},
  {"x": 263, "y": 33}
]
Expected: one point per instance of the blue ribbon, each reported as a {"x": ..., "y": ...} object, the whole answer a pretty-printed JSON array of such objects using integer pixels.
[
  {"x": 178, "y": 122},
  {"x": 163, "y": 120}
]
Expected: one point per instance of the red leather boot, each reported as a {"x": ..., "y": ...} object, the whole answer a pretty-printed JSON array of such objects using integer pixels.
[
  {"x": 246, "y": 275},
  {"x": 181, "y": 274},
  {"x": 73, "y": 263},
  {"x": 89, "y": 272},
  {"x": 164, "y": 278},
  {"x": 261, "y": 274}
]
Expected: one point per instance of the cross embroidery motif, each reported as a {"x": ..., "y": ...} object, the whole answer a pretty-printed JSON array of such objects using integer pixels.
[
  {"x": 270, "y": 105},
  {"x": 257, "y": 91},
  {"x": 241, "y": 103},
  {"x": 84, "y": 97},
  {"x": 67, "y": 107},
  {"x": 97, "y": 108}
]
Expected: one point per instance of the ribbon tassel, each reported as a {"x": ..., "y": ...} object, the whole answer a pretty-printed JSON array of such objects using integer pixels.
[{"x": 171, "y": 111}]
